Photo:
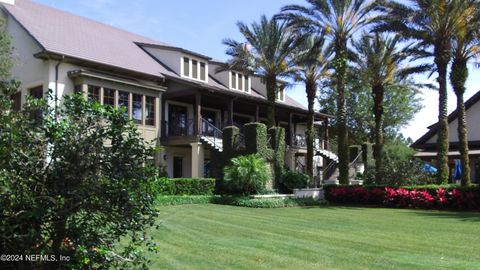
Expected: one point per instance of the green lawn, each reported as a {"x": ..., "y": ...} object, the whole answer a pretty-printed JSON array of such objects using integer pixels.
[{"x": 226, "y": 237}]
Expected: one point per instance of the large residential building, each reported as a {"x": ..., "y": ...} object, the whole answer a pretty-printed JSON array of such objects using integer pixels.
[
  {"x": 427, "y": 144},
  {"x": 177, "y": 97}
]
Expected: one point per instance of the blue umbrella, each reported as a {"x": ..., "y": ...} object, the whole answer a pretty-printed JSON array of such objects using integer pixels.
[
  {"x": 428, "y": 168},
  {"x": 457, "y": 172}
]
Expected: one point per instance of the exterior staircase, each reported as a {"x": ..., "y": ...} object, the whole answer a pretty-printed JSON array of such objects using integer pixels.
[{"x": 213, "y": 142}]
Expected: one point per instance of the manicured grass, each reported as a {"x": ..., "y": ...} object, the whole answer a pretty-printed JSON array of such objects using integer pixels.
[{"x": 227, "y": 237}]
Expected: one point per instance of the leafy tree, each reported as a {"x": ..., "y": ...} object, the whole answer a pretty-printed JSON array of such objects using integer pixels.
[
  {"x": 432, "y": 23},
  {"x": 379, "y": 62},
  {"x": 6, "y": 61},
  {"x": 74, "y": 183},
  {"x": 246, "y": 175},
  {"x": 400, "y": 166},
  {"x": 466, "y": 45},
  {"x": 312, "y": 61},
  {"x": 266, "y": 53},
  {"x": 339, "y": 20},
  {"x": 401, "y": 103}
]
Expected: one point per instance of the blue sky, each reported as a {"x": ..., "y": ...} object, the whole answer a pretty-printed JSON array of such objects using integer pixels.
[{"x": 202, "y": 25}]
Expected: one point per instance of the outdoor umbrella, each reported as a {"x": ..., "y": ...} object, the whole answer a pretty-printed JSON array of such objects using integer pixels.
[{"x": 457, "y": 172}]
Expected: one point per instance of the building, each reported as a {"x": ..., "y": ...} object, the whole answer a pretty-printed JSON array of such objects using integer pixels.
[
  {"x": 174, "y": 95},
  {"x": 427, "y": 144}
]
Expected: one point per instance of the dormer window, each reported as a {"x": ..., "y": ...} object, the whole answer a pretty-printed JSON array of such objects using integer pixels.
[
  {"x": 281, "y": 94},
  {"x": 194, "y": 69},
  {"x": 239, "y": 82}
]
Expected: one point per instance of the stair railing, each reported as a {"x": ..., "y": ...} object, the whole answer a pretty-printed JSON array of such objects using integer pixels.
[
  {"x": 355, "y": 163},
  {"x": 211, "y": 133}
]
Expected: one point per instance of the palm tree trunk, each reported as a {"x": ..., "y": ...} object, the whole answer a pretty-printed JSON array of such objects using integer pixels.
[
  {"x": 378, "y": 92},
  {"x": 340, "y": 72},
  {"x": 441, "y": 61},
  {"x": 271, "y": 84},
  {"x": 311, "y": 90},
  {"x": 458, "y": 77}
]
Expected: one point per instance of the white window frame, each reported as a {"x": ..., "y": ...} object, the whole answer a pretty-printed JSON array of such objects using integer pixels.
[
  {"x": 246, "y": 88},
  {"x": 190, "y": 66},
  {"x": 281, "y": 95}
]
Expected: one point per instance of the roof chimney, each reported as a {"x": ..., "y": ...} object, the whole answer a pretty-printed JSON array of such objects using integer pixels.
[{"x": 10, "y": 2}]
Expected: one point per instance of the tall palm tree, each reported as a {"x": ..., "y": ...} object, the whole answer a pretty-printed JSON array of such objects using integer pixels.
[
  {"x": 266, "y": 53},
  {"x": 466, "y": 45},
  {"x": 339, "y": 19},
  {"x": 312, "y": 63},
  {"x": 380, "y": 63},
  {"x": 432, "y": 23}
]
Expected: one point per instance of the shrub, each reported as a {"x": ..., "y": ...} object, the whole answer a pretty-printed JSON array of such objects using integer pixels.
[
  {"x": 266, "y": 202},
  {"x": 438, "y": 197},
  {"x": 185, "y": 186},
  {"x": 246, "y": 175},
  {"x": 186, "y": 199},
  {"x": 291, "y": 180},
  {"x": 64, "y": 191}
]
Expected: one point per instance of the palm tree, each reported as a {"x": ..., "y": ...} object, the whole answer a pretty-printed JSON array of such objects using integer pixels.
[
  {"x": 312, "y": 63},
  {"x": 339, "y": 20},
  {"x": 432, "y": 23},
  {"x": 379, "y": 63},
  {"x": 466, "y": 45},
  {"x": 266, "y": 53}
]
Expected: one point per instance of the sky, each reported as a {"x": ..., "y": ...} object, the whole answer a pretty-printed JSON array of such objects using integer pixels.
[{"x": 201, "y": 26}]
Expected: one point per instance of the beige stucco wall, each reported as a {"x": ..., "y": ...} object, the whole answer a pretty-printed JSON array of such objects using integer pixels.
[{"x": 473, "y": 118}]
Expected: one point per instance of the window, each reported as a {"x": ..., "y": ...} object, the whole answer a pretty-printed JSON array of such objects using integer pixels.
[
  {"x": 149, "y": 111},
  {"x": 239, "y": 82},
  {"x": 137, "y": 108},
  {"x": 234, "y": 81},
  {"x": 36, "y": 92},
  {"x": 93, "y": 93},
  {"x": 123, "y": 101},
  {"x": 281, "y": 94},
  {"x": 186, "y": 67},
  {"x": 17, "y": 101},
  {"x": 203, "y": 71},
  {"x": 194, "y": 69},
  {"x": 109, "y": 97}
]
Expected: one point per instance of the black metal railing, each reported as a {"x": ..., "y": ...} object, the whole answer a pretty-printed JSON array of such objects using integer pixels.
[
  {"x": 180, "y": 128},
  {"x": 209, "y": 129}
]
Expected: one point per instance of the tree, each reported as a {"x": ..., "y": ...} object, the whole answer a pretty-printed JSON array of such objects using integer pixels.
[
  {"x": 313, "y": 67},
  {"x": 466, "y": 45},
  {"x": 266, "y": 53},
  {"x": 74, "y": 183},
  {"x": 432, "y": 23},
  {"x": 379, "y": 62},
  {"x": 339, "y": 20},
  {"x": 401, "y": 103}
]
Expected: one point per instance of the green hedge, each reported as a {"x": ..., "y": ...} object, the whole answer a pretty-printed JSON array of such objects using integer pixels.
[
  {"x": 266, "y": 202},
  {"x": 186, "y": 186},
  {"x": 185, "y": 199}
]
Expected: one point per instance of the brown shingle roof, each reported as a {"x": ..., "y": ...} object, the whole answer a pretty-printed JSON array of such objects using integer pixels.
[
  {"x": 64, "y": 33},
  {"x": 71, "y": 35}
]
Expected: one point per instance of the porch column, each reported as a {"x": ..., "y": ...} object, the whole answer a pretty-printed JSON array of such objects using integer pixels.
[
  {"x": 198, "y": 116},
  {"x": 230, "y": 113},
  {"x": 163, "y": 122},
  {"x": 290, "y": 128},
  {"x": 198, "y": 159},
  {"x": 257, "y": 113}
]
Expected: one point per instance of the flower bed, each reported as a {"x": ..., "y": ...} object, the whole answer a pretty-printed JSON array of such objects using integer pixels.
[{"x": 430, "y": 197}]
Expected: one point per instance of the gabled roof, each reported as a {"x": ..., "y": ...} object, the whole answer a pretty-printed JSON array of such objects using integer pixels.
[
  {"x": 61, "y": 33},
  {"x": 67, "y": 34},
  {"x": 433, "y": 129}
]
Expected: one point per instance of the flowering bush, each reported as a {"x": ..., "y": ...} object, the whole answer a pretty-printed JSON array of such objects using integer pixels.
[{"x": 430, "y": 197}]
